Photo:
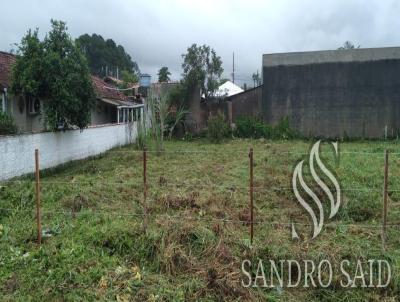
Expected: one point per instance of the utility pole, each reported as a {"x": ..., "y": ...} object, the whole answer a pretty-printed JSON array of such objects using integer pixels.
[{"x": 233, "y": 67}]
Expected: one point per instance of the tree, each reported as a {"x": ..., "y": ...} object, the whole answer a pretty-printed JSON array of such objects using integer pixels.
[
  {"x": 256, "y": 79},
  {"x": 348, "y": 45},
  {"x": 105, "y": 57},
  {"x": 178, "y": 95},
  {"x": 163, "y": 75},
  {"x": 54, "y": 70},
  {"x": 201, "y": 66},
  {"x": 127, "y": 80}
]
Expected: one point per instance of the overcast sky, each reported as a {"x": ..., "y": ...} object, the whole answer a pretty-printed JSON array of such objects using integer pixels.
[{"x": 156, "y": 33}]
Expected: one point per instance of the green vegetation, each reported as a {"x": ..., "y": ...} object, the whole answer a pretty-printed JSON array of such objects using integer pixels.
[
  {"x": 175, "y": 120},
  {"x": 105, "y": 56},
  {"x": 194, "y": 243},
  {"x": 159, "y": 112},
  {"x": 128, "y": 79},
  {"x": 202, "y": 67},
  {"x": 178, "y": 96},
  {"x": 142, "y": 136},
  {"x": 217, "y": 128},
  {"x": 163, "y": 74},
  {"x": 251, "y": 127},
  {"x": 54, "y": 70},
  {"x": 7, "y": 124}
]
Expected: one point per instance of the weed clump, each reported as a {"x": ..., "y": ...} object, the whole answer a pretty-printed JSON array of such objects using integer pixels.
[
  {"x": 217, "y": 129},
  {"x": 252, "y": 127}
]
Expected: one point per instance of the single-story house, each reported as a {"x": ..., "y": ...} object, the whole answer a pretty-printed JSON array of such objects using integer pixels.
[
  {"x": 228, "y": 89},
  {"x": 112, "y": 106}
]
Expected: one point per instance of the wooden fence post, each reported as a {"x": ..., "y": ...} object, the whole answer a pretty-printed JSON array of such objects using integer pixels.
[
  {"x": 145, "y": 187},
  {"x": 385, "y": 200},
  {"x": 37, "y": 186},
  {"x": 251, "y": 196}
]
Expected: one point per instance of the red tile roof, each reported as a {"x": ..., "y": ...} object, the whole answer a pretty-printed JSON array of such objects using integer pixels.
[
  {"x": 105, "y": 90},
  {"x": 7, "y": 60}
]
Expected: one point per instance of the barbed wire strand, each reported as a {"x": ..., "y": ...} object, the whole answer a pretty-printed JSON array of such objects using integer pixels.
[
  {"x": 231, "y": 188},
  {"x": 208, "y": 219}
]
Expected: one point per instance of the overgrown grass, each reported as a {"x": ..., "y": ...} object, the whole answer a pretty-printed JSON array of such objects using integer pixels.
[{"x": 194, "y": 242}]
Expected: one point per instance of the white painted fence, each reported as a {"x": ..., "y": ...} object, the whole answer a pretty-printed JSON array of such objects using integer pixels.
[{"x": 17, "y": 152}]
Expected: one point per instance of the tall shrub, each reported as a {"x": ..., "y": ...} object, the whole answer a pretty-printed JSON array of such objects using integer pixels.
[
  {"x": 251, "y": 127},
  {"x": 217, "y": 128},
  {"x": 7, "y": 124}
]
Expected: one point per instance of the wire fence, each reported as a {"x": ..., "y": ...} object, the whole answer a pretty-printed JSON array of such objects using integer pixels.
[{"x": 148, "y": 185}]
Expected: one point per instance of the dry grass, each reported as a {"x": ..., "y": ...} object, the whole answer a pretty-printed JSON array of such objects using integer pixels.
[{"x": 197, "y": 235}]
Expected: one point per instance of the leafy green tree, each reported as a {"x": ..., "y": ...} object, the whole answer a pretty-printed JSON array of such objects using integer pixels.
[
  {"x": 129, "y": 77},
  {"x": 163, "y": 74},
  {"x": 177, "y": 95},
  {"x": 105, "y": 56},
  {"x": 348, "y": 45},
  {"x": 201, "y": 66},
  {"x": 127, "y": 80},
  {"x": 55, "y": 71}
]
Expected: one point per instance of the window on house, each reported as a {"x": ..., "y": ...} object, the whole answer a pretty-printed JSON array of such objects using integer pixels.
[{"x": 33, "y": 105}]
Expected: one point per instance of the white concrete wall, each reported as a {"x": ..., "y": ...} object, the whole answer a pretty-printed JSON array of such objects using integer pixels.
[{"x": 55, "y": 148}]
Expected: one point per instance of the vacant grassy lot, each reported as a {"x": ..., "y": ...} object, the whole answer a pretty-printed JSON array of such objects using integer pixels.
[{"x": 194, "y": 242}]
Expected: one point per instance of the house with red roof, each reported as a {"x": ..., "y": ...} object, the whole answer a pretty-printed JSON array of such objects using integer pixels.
[{"x": 112, "y": 106}]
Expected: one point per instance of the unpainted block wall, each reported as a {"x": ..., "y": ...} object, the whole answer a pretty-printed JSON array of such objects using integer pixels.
[
  {"x": 354, "y": 99},
  {"x": 247, "y": 103},
  {"x": 17, "y": 152}
]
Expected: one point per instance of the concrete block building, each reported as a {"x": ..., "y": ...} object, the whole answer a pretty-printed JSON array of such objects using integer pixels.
[{"x": 335, "y": 93}]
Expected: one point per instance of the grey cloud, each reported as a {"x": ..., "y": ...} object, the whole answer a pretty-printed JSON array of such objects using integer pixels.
[{"x": 156, "y": 33}]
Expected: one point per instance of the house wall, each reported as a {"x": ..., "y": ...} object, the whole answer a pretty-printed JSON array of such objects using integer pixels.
[
  {"x": 354, "y": 99},
  {"x": 26, "y": 122},
  {"x": 247, "y": 103},
  {"x": 17, "y": 152},
  {"x": 103, "y": 114},
  {"x": 161, "y": 89},
  {"x": 196, "y": 119}
]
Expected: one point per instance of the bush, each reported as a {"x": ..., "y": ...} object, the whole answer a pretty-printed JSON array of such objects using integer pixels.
[
  {"x": 142, "y": 136},
  {"x": 252, "y": 127},
  {"x": 283, "y": 130},
  {"x": 7, "y": 124},
  {"x": 217, "y": 128}
]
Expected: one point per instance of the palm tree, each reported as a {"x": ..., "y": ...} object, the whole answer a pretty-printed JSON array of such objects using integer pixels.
[{"x": 163, "y": 74}]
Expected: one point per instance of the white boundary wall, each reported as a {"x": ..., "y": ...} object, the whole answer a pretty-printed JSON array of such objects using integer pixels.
[{"x": 17, "y": 153}]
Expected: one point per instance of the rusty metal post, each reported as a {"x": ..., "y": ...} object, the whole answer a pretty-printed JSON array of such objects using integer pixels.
[
  {"x": 251, "y": 196},
  {"x": 385, "y": 200},
  {"x": 37, "y": 186},
  {"x": 145, "y": 186}
]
